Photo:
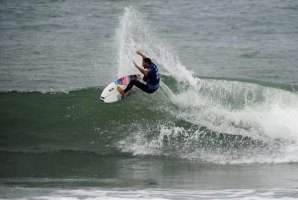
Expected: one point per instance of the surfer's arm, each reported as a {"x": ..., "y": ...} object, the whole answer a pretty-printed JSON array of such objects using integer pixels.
[
  {"x": 141, "y": 54},
  {"x": 141, "y": 69}
]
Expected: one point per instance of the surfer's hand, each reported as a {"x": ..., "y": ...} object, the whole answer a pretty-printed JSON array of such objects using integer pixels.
[{"x": 139, "y": 52}]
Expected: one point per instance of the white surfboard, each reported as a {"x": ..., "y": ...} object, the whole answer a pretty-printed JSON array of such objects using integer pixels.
[{"x": 110, "y": 94}]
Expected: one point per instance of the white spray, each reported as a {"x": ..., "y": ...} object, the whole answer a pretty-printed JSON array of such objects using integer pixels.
[
  {"x": 232, "y": 107},
  {"x": 134, "y": 33}
]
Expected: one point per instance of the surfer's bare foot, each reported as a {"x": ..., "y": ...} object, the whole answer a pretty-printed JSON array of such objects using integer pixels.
[{"x": 120, "y": 90}]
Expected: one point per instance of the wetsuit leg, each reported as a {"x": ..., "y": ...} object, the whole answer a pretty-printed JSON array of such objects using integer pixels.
[{"x": 138, "y": 84}]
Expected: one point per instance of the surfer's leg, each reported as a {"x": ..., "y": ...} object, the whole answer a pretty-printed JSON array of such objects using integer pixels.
[{"x": 138, "y": 84}]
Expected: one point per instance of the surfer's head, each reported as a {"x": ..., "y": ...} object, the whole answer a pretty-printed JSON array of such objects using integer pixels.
[{"x": 146, "y": 62}]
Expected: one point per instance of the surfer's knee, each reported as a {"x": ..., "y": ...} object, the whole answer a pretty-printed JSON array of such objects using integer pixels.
[{"x": 134, "y": 82}]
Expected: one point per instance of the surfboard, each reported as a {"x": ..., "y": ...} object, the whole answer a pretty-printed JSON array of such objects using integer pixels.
[{"x": 110, "y": 94}]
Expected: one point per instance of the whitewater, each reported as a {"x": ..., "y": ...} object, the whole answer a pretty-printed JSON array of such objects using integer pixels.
[{"x": 239, "y": 108}]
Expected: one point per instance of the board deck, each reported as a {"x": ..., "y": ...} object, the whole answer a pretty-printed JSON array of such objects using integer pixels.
[{"x": 110, "y": 94}]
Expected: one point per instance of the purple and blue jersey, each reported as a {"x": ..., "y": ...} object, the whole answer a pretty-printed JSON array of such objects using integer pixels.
[{"x": 153, "y": 77}]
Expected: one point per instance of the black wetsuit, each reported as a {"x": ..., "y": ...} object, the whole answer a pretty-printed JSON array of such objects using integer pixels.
[{"x": 152, "y": 81}]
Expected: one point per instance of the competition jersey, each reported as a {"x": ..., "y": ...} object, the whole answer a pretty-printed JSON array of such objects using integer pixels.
[{"x": 153, "y": 77}]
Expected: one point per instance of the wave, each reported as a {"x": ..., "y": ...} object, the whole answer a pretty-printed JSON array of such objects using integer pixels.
[
  {"x": 207, "y": 120},
  {"x": 218, "y": 121},
  {"x": 224, "y": 121}
]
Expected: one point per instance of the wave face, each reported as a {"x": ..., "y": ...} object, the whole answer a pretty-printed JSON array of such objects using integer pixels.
[
  {"x": 207, "y": 120},
  {"x": 217, "y": 121}
]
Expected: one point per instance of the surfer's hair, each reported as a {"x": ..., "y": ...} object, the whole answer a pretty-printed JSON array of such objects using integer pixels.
[{"x": 147, "y": 60}]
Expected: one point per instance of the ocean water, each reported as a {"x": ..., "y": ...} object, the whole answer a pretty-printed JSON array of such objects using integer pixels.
[{"x": 223, "y": 124}]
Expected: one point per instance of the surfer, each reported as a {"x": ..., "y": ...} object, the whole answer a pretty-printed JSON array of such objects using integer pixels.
[{"x": 151, "y": 76}]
